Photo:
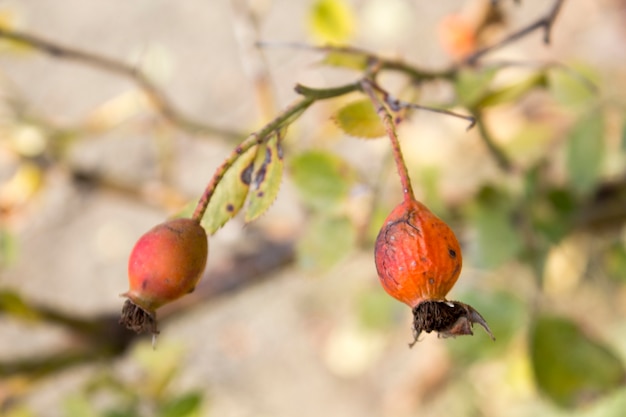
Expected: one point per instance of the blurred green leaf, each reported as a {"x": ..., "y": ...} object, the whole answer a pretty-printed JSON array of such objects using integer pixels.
[
  {"x": 497, "y": 239},
  {"x": 377, "y": 218},
  {"x": 18, "y": 411},
  {"x": 11, "y": 303},
  {"x": 429, "y": 182},
  {"x": 267, "y": 179},
  {"x": 377, "y": 310},
  {"x": 231, "y": 192},
  {"x": 79, "y": 406},
  {"x": 512, "y": 92},
  {"x": 8, "y": 248},
  {"x": 471, "y": 85},
  {"x": 340, "y": 59},
  {"x": 505, "y": 314},
  {"x": 331, "y": 21},
  {"x": 572, "y": 368},
  {"x": 574, "y": 87},
  {"x": 159, "y": 365},
  {"x": 585, "y": 152},
  {"x": 326, "y": 241},
  {"x": 359, "y": 119},
  {"x": 615, "y": 261},
  {"x": 187, "y": 405},
  {"x": 323, "y": 179},
  {"x": 121, "y": 413}
]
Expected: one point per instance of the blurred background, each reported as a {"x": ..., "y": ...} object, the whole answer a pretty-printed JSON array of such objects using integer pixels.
[{"x": 290, "y": 319}]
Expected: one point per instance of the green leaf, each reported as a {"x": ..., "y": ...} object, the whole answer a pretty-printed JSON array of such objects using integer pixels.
[
  {"x": 326, "y": 241},
  {"x": 512, "y": 92},
  {"x": 573, "y": 88},
  {"x": 331, "y": 21},
  {"x": 359, "y": 119},
  {"x": 230, "y": 194},
  {"x": 585, "y": 152},
  {"x": 497, "y": 240},
  {"x": 471, "y": 85},
  {"x": 323, "y": 179},
  {"x": 186, "y": 405},
  {"x": 266, "y": 182},
  {"x": 572, "y": 368},
  {"x": 340, "y": 59}
]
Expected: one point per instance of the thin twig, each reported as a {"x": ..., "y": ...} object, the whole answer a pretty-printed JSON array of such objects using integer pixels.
[
  {"x": 501, "y": 158},
  {"x": 397, "y": 105},
  {"x": 159, "y": 100},
  {"x": 544, "y": 22},
  {"x": 416, "y": 74},
  {"x": 387, "y": 121}
]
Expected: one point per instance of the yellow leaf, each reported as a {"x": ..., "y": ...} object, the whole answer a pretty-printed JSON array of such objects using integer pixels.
[
  {"x": 331, "y": 21},
  {"x": 359, "y": 119}
]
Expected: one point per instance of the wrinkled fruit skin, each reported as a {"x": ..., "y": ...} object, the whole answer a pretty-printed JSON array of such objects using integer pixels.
[
  {"x": 166, "y": 263},
  {"x": 418, "y": 259}
]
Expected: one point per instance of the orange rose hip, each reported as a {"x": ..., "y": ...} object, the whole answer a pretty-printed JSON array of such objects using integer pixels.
[{"x": 418, "y": 260}]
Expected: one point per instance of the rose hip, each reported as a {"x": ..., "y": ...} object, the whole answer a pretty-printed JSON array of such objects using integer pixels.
[
  {"x": 165, "y": 264},
  {"x": 418, "y": 259}
]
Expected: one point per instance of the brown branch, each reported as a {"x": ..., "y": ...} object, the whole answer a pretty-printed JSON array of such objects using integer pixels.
[
  {"x": 102, "y": 338},
  {"x": 415, "y": 73},
  {"x": 157, "y": 97},
  {"x": 544, "y": 22}
]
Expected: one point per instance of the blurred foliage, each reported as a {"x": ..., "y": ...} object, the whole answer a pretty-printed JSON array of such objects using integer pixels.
[
  {"x": 331, "y": 21},
  {"x": 564, "y": 177},
  {"x": 148, "y": 394},
  {"x": 571, "y": 367}
]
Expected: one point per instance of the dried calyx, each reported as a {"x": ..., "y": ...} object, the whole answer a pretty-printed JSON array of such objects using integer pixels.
[{"x": 447, "y": 318}]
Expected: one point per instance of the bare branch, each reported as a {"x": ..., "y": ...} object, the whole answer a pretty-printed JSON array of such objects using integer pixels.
[
  {"x": 159, "y": 100},
  {"x": 544, "y": 22},
  {"x": 397, "y": 105}
]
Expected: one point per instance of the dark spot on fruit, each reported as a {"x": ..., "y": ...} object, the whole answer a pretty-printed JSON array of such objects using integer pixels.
[
  {"x": 260, "y": 194},
  {"x": 230, "y": 208},
  {"x": 144, "y": 284},
  {"x": 431, "y": 281},
  {"x": 452, "y": 253},
  {"x": 239, "y": 150}
]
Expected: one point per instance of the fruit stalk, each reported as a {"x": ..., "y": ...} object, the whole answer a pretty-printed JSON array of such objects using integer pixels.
[{"x": 387, "y": 121}]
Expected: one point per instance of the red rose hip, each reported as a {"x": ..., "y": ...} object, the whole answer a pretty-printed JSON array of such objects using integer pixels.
[
  {"x": 165, "y": 264},
  {"x": 418, "y": 260}
]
